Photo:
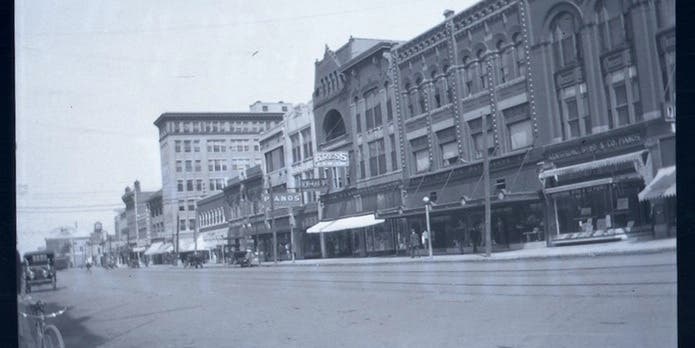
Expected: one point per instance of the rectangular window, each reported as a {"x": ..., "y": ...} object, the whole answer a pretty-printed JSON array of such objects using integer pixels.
[
  {"x": 191, "y": 205},
  {"x": 450, "y": 153},
  {"x": 572, "y": 117},
  {"x": 358, "y": 123},
  {"x": 177, "y": 145},
  {"x": 191, "y": 224},
  {"x": 296, "y": 148},
  {"x": 179, "y": 167},
  {"x": 389, "y": 110},
  {"x": 196, "y": 146},
  {"x": 179, "y": 185},
  {"x": 621, "y": 107},
  {"x": 197, "y": 165},
  {"x": 182, "y": 224},
  {"x": 521, "y": 134},
  {"x": 370, "y": 118},
  {"x": 199, "y": 185},
  {"x": 189, "y": 185},
  {"x": 422, "y": 160},
  {"x": 360, "y": 156},
  {"x": 187, "y": 146},
  {"x": 307, "y": 143},
  {"x": 394, "y": 156},
  {"x": 189, "y": 166},
  {"x": 377, "y": 115},
  {"x": 182, "y": 206}
]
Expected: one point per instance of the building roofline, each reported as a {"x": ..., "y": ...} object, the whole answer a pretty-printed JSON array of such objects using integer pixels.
[
  {"x": 386, "y": 44},
  {"x": 216, "y": 115},
  {"x": 210, "y": 198}
]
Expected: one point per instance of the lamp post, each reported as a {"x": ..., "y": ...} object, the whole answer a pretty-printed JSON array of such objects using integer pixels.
[{"x": 428, "y": 204}]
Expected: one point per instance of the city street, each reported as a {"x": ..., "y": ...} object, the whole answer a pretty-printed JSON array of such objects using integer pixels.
[{"x": 608, "y": 301}]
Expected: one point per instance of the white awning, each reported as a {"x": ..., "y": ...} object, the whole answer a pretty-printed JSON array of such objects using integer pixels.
[
  {"x": 583, "y": 184},
  {"x": 662, "y": 186},
  {"x": 166, "y": 248},
  {"x": 345, "y": 224},
  {"x": 318, "y": 227},
  {"x": 186, "y": 245},
  {"x": 139, "y": 249},
  {"x": 154, "y": 248},
  {"x": 635, "y": 157}
]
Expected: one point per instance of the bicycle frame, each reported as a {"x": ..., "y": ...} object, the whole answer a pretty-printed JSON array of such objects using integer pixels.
[{"x": 40, "y": 327}]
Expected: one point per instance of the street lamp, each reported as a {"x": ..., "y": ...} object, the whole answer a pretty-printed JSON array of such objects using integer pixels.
[{"x": 428, "y": 206}]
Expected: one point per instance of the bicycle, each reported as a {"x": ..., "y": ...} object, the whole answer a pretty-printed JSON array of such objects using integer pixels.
[{"x": 47, "y": 336}]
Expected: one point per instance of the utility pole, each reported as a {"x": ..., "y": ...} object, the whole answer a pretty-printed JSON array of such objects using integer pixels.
[
  {"x": 178, "y": 228},
  {"x": 486, "y": 176},
  {"x": 271, "y": 220}
]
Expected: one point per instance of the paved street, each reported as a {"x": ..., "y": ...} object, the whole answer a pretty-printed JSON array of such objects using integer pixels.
[{"x": 607, "y": 301}]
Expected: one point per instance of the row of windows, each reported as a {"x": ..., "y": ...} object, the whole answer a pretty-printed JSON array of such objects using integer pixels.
[
  {"x": 189, "y": 166},
  {"x": 191, "y": 185},
  {"x": 378, "y": 157},
  {"x": 191, "y": 224},
  {"x": 212, "y": 217},
  {"x": 190, "y": 205},
  {"x": 519, "y": 135},
  {"x": 373, "y": 114},
  {"x": 217, "y": 126},
  {"x": 212, "y": 146},
  {"x": 158, "y": 227}
]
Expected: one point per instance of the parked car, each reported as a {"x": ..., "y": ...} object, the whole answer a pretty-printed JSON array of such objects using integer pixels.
[{"x": 39, "y": 269}]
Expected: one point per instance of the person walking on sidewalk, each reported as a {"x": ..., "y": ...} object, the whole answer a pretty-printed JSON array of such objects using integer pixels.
[{"x": 414, "y": 240}]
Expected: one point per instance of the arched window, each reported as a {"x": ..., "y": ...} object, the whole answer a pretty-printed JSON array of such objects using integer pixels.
[
  {"x": 408, "y": 101},
  {"x": 611, "y": 24},
  {"x": 565, "y": 39},
  {"x": 481, "y": 70},
  {"x": 506, "y": 62},
  {"x": 519, "y": 55},
  {"x": 333, "y": 125}
]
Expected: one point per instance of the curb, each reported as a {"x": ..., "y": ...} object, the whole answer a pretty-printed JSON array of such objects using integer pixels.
[{"x": 481, "y": 258}]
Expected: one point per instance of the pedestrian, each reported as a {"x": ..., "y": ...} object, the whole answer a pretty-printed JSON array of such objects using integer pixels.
[
  {"x": 414, "y": 240},
  {"x": 425, "y": 236}
]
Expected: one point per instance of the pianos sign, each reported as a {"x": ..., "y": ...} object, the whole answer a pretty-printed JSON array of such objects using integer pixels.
[
  {"x": 331, "y": 159},
  {"x": 285, "y": 199}
]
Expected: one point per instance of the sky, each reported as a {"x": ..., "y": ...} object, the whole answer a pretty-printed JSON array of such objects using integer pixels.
[{"x": 92, "y": 76}]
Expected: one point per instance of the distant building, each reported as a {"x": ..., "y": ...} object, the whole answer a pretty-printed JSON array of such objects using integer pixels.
[
  {"x": 260, "y": 106},
  {"x": 137, "y": 219},
  {"x": 199, "y": 153},
  {"x": 76, "y": 249}
]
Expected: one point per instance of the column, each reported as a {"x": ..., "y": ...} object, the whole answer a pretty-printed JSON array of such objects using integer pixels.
[
  {"x": 546, "y": 95},
  {"x": 598, "y": 106},
  {"x": 643, "y": 17}
]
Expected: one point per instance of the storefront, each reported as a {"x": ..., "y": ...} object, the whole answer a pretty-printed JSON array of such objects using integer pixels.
[
  {"x": 362, "y": 235},
  {"x": 596, "y": 200},
  {"x": 661, "y": 195}
]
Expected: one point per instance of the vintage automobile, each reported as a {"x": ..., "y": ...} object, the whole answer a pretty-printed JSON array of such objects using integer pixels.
[{"x": 39, "y": 269}]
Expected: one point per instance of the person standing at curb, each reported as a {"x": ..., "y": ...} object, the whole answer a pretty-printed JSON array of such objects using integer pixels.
[{"x": 414, "y": 240}]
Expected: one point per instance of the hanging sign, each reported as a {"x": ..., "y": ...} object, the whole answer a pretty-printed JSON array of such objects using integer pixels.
[{"x": 331, "y": 159}]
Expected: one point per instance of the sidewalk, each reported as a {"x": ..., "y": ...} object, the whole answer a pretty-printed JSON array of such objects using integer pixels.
[{"x": 625, "y": 247}]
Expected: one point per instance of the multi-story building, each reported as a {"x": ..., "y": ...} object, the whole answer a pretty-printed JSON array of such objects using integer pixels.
[
  {"x": 120, "y": 225},
  {"x": 249, "y": 221},
  {"x": 288, "y": 149},
  {"x": 137, "y": 218},
  {"x": 199, "y": 153},
  {"x": 159, "y": 245},
  {"x": 354, "y": 110},
  {"x": 605, "y": 87}
]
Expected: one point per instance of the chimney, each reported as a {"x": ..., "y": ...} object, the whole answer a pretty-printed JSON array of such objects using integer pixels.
[{"x": 448, "y": 14}]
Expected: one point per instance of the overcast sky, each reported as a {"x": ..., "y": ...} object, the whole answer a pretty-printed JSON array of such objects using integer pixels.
[{"x": 92, "y": 76}]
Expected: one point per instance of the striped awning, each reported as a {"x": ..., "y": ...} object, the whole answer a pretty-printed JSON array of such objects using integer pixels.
[
  {"x": 635, "y": 157},
  {"x": 662, "y": 186}
]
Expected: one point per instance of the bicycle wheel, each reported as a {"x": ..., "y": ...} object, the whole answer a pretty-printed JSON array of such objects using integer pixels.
[{"x": 52, "y": 337}]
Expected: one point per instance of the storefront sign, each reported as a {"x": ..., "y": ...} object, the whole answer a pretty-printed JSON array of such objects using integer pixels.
[
  {"x": 601, "y": 146},
  {"x": 331, "y": 159},
  {"x": 284, "y": 199},
  {"x": 313, "y": 184}
]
